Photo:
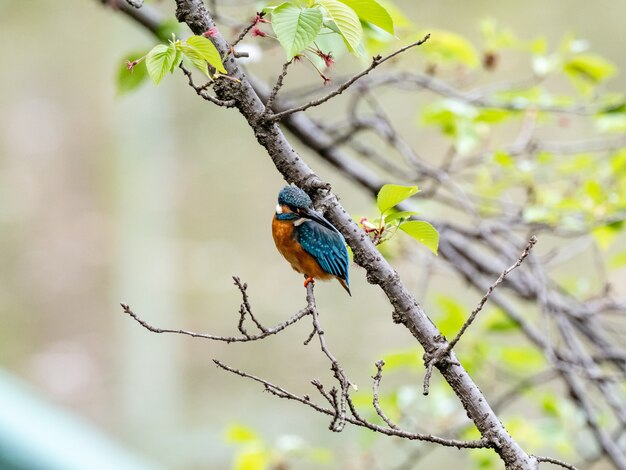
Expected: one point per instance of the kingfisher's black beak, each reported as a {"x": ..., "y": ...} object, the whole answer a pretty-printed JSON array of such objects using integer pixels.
[{"x": 317, "y": 217}]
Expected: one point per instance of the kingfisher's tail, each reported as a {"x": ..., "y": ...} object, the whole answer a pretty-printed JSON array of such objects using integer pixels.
[{"x": 345, "y": 285}]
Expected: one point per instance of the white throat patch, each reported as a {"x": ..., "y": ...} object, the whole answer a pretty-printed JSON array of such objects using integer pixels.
[{"x": 279, "y": 209}]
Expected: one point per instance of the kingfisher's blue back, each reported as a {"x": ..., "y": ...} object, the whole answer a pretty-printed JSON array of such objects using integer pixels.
[{"x": 311, "y": 244}]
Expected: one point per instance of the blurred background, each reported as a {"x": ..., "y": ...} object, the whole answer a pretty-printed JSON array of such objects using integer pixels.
[{"x": 156, "y": 198}]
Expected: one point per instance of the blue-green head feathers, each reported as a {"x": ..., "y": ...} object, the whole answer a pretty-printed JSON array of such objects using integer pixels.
[{"x": 294, "y": 198}]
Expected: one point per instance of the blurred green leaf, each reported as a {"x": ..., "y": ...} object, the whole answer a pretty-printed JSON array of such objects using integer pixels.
[
  {"x": 240, "y": 433},
  {"x": 591, "y": 67},
  {"x": 605, "y": 236},
  {"x": 497, "y": 321},
  {"x": 296, "y": 27},
  {"x": 496, "y": 37},
  {"x": 168, "y": 28},
  {"x": 251, "y": 459},
  {"x": 409, "y": 358},
  {"x": 618, "y": 260},
  {"x": 445, "y": 46},
  {"x": 373, "y": 12},
  {"x": 400, "y": 20},
  {"x": 525, "y": 358},
  {"x": 129, "y": 80},
  {"x": 347, "y": 22},
  {"x": 423, "y": 232},
  {"x": 390, "y": 195},
  {"x": 503, "y": 158},
  {"x": 550, "y": 404},
  {"x": 453, "y": 315}
]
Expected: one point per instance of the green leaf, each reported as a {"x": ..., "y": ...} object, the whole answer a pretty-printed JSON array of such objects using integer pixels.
[
  {"x": 372, "y": 12},
  {"x": 198, "y": 49},
  {"x": 177, "y": 60},
  {"x": 295, "y": 27},
  {"x": 453, "y": 315},
  {"x": 347, "y": 22},
  {"x": 409, "y": 358},
  {"x": 525, "y": 358},
  {"x": 590, "y": 67},
  {"x": 618, "y": 260},
  {"x": 159, "y": 61},
  {"x": 167, "y": 28},
  {"x": 497, "y": 321},
  {"x": 423, "y": 232},
  {"x": 391, "y": 195},
  {"x": 129, "y": 80},
  {"x": 400, "y": 20},
  {"x": 444, "y": 46},
  {"x": 399, "y": 216},
  {"x": 251, "y": 459},
  {"x": 239, "y": 433}
]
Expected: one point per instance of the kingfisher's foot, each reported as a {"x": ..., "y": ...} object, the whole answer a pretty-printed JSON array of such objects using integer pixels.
[{"x": 308, "y": 280}]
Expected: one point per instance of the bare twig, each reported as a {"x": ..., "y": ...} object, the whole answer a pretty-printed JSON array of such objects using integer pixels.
[
  {"x": 276, "y": 89},
  {"x": 245, "y": 309},
  {"x": 481, "y": 304},
  {"x": 245, "y": 305},
  {"x": 376, "y": 61},
  {"x": 339, "y": 422},
  {"x": 246, "y": 30},
  {"x": 306, "y": 400},
  {"x": 555, "y": 462},
  {"x": 201, "y": 90},
  {"x": 376, "y": 383}
]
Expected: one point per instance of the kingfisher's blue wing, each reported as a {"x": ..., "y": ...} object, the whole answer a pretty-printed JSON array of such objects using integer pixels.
[{"x": 326, "y": 246}]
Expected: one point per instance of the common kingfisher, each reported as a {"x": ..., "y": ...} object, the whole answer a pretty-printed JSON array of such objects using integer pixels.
[{"x": 311, "y": 244}]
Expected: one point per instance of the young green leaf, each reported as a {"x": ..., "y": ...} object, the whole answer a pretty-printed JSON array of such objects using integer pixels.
[
  {"x": 399, "y": 215},
  {"x": 178, "y": 58},
  {"x": 391, "y": 195},
  {"x": 296, "y": 27},
  {"x": 199, "y": 49},
  {"x": 159, "y": 61},
  {"x": 128, "y": 80},
  {"x": 347, "y": 22},
  {"x": 423, "y": 232},
  {"x": 372, "y": 12}
]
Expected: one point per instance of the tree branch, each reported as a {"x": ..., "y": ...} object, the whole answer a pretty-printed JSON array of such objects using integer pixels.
[{"x": 376, "y": 61}]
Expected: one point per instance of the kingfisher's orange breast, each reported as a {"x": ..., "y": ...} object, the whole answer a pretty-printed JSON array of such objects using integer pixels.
[{"x": 300, "y": 260}]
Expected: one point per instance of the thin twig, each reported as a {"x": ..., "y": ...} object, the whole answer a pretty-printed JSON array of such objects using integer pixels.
[
  {"x": 246, "y": 30},
  {"x": 442, "y": 354},
  {"x": 277, "y": 87},
  {"x": 339, "y": 423},
  {"x": 555, "y": 462},
  {"x": 201, "y": 90},
  {"x": 228, "y": 339},
  {"x": 306, "y": 400},
  {"x": 376, "y": 61},
  {"x": 481, "y": 304},
  {"x": 377, "y": 378},
  {"x": 245, "y": 305}
]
